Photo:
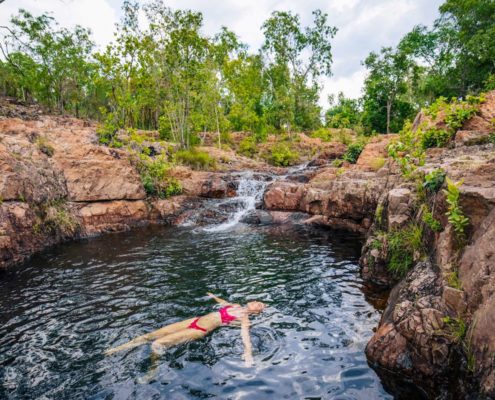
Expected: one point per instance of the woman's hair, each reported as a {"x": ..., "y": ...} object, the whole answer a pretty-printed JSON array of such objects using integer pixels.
[{"x": 256, "y": 306}]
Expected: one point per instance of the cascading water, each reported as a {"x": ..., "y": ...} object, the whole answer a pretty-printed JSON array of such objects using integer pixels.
[{"x": 249, "y": 193}]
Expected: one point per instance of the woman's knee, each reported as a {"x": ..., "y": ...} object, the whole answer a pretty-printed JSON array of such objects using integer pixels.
[{"x": 157, "y": 347}]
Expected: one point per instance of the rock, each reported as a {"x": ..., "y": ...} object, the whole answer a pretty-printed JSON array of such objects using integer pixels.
[
  {"x": 484, "y": 120},
  {"x": 257, "y": 217},
  {"x": 409, "y": 339},
  {"x": 283, "y": 196},
  {"x": 119, "y": 215},
  {"x": 97, "y": 173},
  {"x": 471, "y": 138},
  {"x": 400, "y": 208},
  {"x": 477, "y": 275},
  {"x": 374, "y": 154}
]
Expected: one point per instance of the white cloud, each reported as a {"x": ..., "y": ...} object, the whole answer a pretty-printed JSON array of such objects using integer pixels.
[
  {"x": 98, "y": 15},
  {"x": 350, "y": 85}
]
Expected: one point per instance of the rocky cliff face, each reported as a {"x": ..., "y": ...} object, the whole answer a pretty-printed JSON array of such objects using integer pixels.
[
  {"x": 58, "y": 183},
  {"x": 438, "y": 325}
]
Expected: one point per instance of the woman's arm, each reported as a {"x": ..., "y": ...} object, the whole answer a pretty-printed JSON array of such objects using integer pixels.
[
  {"x": 217, "y": 299},
  {"x": 246, "y": 340}
]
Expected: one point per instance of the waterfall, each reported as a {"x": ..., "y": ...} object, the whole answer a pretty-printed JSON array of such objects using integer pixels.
[{"x": 249, "y": 192}]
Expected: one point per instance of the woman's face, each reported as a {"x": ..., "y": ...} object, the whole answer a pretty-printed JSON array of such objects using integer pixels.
[{"x": 255, "y": 306}]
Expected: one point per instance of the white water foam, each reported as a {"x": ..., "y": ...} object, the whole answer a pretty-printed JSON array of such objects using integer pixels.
[{"x": 249, "y": 192}]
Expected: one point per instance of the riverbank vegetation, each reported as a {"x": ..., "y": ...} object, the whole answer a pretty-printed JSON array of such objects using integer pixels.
[{"x": 170, "y": 77}]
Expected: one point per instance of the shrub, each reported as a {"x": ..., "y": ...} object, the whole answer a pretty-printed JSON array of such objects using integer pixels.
[
  {"x": 430, "y": 221},
  {"x": 337, "y": 163},
  {"x": 343, "y": 137},
  {"x": 108, "y": 134},
  {"x": 434, "y": 180},
  {"x": 353, "y": 152},
  {"x": 379, "y": 214},
  {"x": 455, "y": 215},
  {"x": 435, "y": 138},
  {"x": 155, "y": 179},
  {"x": 377, "y": 163},
  {"x": 323, "y": 133},
  {"x": 247, "y": 146},
  {"x": 44, "y": 146},
  {"x": 456, "y": 328},
  {"x": 54, "y": 217},
  {"x": 454, "y": 281},
  {"x": 282, "y": 156},
  {"x": 195, "y": 159},
  {"x": 402, "y": 247}
]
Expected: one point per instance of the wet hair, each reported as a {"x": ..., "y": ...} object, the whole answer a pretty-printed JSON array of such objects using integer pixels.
[{"x": 256, "y": 306}]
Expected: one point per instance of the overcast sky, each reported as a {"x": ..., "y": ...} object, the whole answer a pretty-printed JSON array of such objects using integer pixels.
[{"x": 364, "y": 25}]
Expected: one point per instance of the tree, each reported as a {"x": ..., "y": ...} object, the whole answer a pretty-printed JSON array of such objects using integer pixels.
[
  {"x": 50, "y": 65},
  {"x": 343, "y": 113},
  {"x": 296, "y": 58},
  {"x": 386, "y": 82}
]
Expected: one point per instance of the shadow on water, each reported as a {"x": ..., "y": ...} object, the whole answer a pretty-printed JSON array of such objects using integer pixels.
[{"x": 63, "y": 308}]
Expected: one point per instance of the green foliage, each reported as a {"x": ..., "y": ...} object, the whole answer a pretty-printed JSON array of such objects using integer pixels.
[
  {"x": 454, "y": 281},
  {"x": 108, "y": 133},
  {"x": 376, "y": 244},
  {"x": 47, "y": 64},
  {"x": 343, "y": 137},
  {"x": 155, "y": 177},
  {"x": 247, "y": 146},
  {"x": 434, "y": 180},
  {"x": 377, "y": 163},
  {"x": 430, "y": 221},
  {"x": 45, "y": 147},
  {"x": 456, "y": 328},
  {"x": 337, "y": 163},
  {"x": 196, "y": 159},
  {"x": 297, "y": 58},
  {"x": 455, "y": 215},
  {"x": 403, "y": 245},
  {"x": 282, "y": 156},
  {"x": 322, "y": 133},
  {"x": 435, "y": 138},
  {"x": 379, "y": 214},
  {"x": 344, "y": 113},
  {"x": 55, "y": 217},
  {"x": 353, "y": 152}
]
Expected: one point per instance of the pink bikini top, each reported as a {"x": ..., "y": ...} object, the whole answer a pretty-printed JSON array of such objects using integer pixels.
[{"x": 225, "y": 316}]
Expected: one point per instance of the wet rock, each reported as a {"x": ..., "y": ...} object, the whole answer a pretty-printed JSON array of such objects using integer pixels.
[
  {"x": 98, "y": 217},
  {"x": 411, "y": 338},
  {"x": 257, "y": 217}
]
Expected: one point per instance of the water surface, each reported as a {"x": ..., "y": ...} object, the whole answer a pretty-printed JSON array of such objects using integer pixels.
[{"x": 63, "y": 308}]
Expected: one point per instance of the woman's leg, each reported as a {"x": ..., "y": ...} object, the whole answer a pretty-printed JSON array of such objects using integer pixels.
[
  {"x": 166, "y": 330},
  {"x": 159, "y": 345},
  {"x": 173, "y": 339}
]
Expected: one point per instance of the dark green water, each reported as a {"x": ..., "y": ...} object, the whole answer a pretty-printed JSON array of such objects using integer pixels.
[{"x": 61, "y": 310}]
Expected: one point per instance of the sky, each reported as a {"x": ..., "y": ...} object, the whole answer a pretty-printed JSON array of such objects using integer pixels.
[{"x": 363, "y": 25}]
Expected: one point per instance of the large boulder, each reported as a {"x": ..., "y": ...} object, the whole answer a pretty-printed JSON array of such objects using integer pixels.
[{"x": 413, "y": 338}]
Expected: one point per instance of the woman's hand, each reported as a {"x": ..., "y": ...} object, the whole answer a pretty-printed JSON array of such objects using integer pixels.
[{"x": 217, "y": 299}]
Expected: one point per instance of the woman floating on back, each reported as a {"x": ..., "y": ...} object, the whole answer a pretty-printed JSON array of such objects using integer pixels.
[{"x": 199, "y": 327}]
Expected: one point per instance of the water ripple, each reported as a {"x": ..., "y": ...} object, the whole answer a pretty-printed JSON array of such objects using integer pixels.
[{"x": 61, "y": 310}]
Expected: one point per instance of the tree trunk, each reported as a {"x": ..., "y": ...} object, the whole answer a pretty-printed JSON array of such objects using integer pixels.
[{"x": 389, "y": 110}]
